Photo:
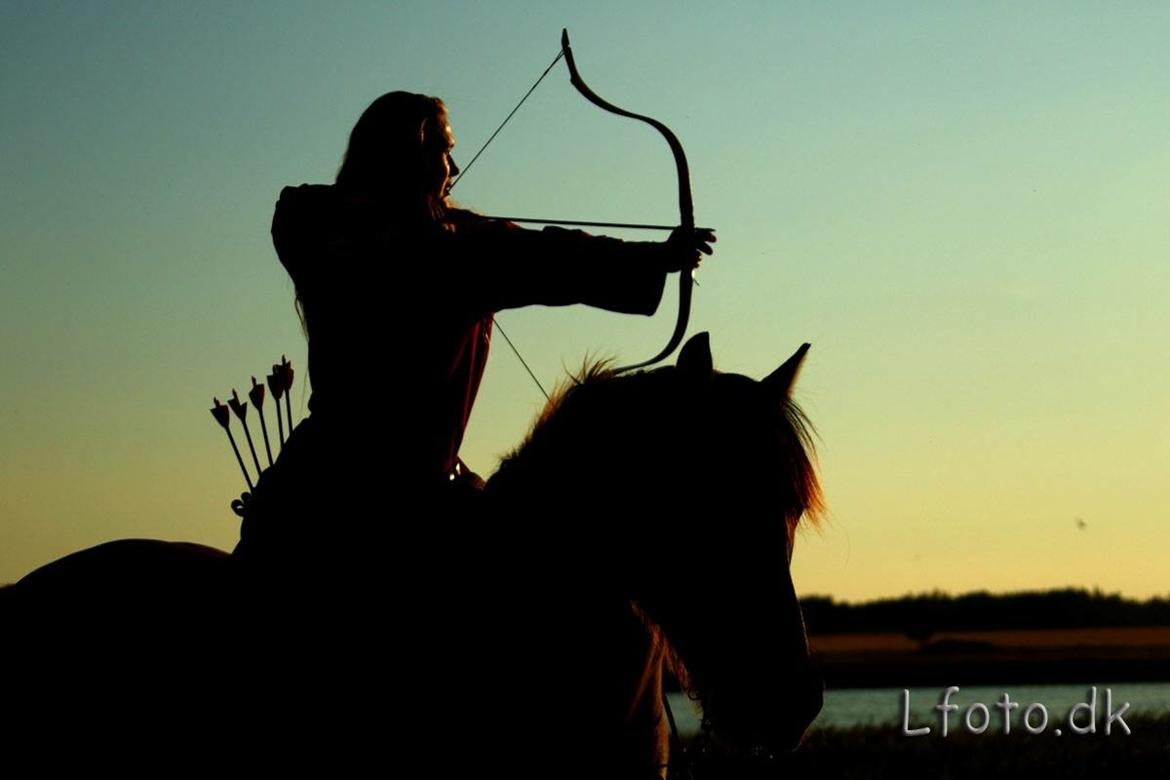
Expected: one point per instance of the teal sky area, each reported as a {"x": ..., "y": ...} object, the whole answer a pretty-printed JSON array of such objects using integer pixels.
[{"x": 964, "y": 207}]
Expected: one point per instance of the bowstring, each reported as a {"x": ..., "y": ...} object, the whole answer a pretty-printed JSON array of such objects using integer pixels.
[
  {"x": 523, "y": 362},
  {"x": 451, "y": 186},
  {"x": 492, "y": 137}
]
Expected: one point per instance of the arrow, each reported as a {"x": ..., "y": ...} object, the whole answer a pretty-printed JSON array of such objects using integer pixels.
[
  {"x": 256, "y": 394},
  {"x": 222, "y": 416}
]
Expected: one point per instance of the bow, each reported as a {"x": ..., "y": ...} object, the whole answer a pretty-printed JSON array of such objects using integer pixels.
[
  {"x": 686, "y": 206},
  {"x": 685, "y": 201}
]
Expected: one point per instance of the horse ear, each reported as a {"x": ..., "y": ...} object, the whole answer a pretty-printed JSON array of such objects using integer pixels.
[
  {"x": 694, "y": 362},
  {"x": 781, "y": 380}
]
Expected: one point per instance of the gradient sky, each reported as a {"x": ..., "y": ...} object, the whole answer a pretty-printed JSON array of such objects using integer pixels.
[{"x": 965, "y": 208}]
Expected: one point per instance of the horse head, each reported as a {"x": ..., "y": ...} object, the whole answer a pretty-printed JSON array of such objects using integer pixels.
[
  {"x": 685, "y": 487},
  {"x": 733, "y": 618}
]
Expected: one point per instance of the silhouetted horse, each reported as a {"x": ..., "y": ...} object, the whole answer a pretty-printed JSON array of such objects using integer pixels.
[{"x": 647, "y": 521}]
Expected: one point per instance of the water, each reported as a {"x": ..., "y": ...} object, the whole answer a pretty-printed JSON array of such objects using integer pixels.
[{"x": 883, "y": 706}]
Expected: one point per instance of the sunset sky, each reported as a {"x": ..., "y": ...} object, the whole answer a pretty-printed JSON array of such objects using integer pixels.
[{"x": 965, "y": 208}]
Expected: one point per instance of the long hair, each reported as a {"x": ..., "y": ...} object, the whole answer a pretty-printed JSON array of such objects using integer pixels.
[
  {"x": 388, "y": 157},
  {"x": 389, "y": 160}
]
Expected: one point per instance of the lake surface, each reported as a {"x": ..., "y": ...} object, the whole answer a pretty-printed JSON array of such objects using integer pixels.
[{"x": 884, "y": 706}]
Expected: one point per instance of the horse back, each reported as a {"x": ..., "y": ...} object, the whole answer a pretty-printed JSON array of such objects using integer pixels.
[{"x": 141, "y": 591}]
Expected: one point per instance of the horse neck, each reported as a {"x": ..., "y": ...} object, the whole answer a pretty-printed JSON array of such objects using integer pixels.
[{"x": 578, "y": 477}]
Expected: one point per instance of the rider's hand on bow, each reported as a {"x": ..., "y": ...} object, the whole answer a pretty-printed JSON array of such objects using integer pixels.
[{"x": 685, "y": 248}]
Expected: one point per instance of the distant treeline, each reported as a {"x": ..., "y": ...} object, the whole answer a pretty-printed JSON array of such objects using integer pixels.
[{"x": 926, "y": 614}]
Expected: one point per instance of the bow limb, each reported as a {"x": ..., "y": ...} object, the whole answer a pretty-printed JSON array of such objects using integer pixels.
[{"x": 685, "y": 202}]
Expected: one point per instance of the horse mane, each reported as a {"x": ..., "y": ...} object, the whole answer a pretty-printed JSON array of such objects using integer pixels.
[
  {"x": 596, "y": 393},
  {"x": 591, "y": 372},
  {"x": 800, "y": 439}
]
